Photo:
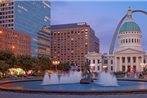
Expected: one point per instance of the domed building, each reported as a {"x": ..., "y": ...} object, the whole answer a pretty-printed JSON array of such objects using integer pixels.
[{"x": 129, "y": 56}]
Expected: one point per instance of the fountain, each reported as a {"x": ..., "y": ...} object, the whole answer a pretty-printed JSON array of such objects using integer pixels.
[
  {"x": 135, "y": 76},
  {"x": 45, "y": 79},
  {"x": 54, "y": 78},
  {"x": 126, "y": 76},
  {"x": 107, "y": 79},
  {"x": 69, "y": 83},
  {"x": 87, "y": 75}
]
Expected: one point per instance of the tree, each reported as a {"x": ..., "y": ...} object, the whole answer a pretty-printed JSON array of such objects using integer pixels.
[
  {"x": 64, "y": 66},
  {"x": 41, "y": 64},
  {"x": 4, "y": 67},
  {"x": 8, "y": 57},
  {"x": 25, "y": 62}
]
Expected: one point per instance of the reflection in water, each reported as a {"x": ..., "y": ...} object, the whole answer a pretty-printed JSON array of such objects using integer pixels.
[
  {"x": 9, "y": 86},
  {"x": 142, "y": 85}
]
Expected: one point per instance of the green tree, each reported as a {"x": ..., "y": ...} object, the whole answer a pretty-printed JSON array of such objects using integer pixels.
[
  {"x": 8, "y": 57},
  {"x": 64, "y": 66},
  {"x": 41, "y": 64},
  {"x": 24, "y": 62},
  {"x": 4, "y": 67}
]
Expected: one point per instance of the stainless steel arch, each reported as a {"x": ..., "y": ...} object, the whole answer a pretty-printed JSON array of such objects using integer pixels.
[{"x": 111, "y": 49}]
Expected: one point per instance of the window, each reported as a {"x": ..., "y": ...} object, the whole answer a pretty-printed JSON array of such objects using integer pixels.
[
  {"x": 93, "y": 61},
  {"x": 128, "y": 59},
  {"x": 105, "y": 61},
  {"x": 134, "y": 59},
  {"x": 123, "y": 59},
  {"x": 111, "y": 61},
  {"x": 111, "y": 67},
  {"x": 98, "y": 67},
  {"x": 126, "y": 41},
  {"x": 134, "y": 68},
  {"x": 144, "y": 61},
  {"x": 123, "y": 68},
  {"x": 98, "y": 61}
]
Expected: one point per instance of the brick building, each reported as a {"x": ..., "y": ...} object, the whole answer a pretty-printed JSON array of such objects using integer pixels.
[
  {"x": 17, "y": 42},
  {"x": 70, "y": 42}
]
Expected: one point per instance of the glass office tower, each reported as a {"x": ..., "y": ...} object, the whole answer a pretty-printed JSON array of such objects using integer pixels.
[{"x": 25, "y": 16}]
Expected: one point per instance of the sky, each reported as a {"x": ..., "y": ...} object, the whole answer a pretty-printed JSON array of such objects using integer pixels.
[{"x": 102, "y": 16}]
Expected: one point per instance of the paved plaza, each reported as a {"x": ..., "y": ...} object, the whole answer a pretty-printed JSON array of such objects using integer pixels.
[{"x": 4, "y": 94}]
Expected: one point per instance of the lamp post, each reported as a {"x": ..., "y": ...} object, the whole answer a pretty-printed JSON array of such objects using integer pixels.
[{"x": 56, "y": 63}]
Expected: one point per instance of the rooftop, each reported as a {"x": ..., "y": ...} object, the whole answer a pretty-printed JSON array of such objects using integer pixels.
[{"x": 71, "y": 25}]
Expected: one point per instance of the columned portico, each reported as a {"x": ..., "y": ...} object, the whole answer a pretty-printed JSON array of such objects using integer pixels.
[{"x": 129, "y": 55}]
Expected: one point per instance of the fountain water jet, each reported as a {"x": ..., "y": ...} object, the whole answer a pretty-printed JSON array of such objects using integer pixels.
[
  {"x": 107, "y": 79},
  {"x": 45, "y": 79},
  {"x": 72, "y": 77}
]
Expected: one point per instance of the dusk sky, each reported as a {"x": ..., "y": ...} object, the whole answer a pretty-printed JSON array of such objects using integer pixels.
[{"x": 103, "y": 17}]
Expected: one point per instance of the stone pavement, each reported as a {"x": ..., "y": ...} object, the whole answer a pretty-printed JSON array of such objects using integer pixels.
[{"x": 4, "y": 94}]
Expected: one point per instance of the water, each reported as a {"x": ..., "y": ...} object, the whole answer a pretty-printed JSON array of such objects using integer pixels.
[
  {"x": 107, "y": 79},
  {"x": 104, "y": 79},
  {"x": 54, "y": 78},
  {"x": 45, "y": 79}
]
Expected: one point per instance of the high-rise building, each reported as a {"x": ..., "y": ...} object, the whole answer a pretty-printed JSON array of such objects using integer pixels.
[
  {"x": 70, "y": 42},
  {"x": 44, "y": 42},
  {"x": 25, "y": 16},
  {"x": 17, "y": 42}
]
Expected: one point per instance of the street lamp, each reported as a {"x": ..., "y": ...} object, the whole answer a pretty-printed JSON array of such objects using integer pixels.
[{"x": 56, "y": 63}]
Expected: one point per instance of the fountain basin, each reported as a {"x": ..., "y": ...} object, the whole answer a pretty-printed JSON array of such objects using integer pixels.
[
  {"x": 125, "y": 86},
  {"x": 86, "y": 81}
]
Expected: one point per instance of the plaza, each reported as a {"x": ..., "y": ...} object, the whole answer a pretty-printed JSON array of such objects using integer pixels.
[{"x": 67, "y": 57}]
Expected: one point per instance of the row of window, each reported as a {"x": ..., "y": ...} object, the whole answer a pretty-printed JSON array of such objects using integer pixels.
[
  {"x": 128, "y": 59},
  {"x": 128, "y": 68},
  {"x": 6, "y": 4},
  {"x": 7, "y": 25},
  {"x": 94, "y": 61},
  {"x": 7, "y": 16},
  {"x": 72, "y": 32},
  {"x": 130, "y": 41},
  {"x": 7, "y": 21},
  {"x": 98, "y": 68},
  {"x": 5, "y": 13},
  {"x": 128, "y": 32},
  {"x": 6, "y": 8}
]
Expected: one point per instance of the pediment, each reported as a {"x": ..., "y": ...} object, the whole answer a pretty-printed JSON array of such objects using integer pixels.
[
  {"x": 93, "y": 55},
  {"x": 129, "y": 51}
]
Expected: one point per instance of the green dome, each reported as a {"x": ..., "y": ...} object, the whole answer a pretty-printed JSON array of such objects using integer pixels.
[{"x": 129, "y": 26}]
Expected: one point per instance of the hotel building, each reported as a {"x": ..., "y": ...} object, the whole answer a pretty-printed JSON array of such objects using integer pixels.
[
  {"x": 70, "y": 42},
  {"x": 17, "y": 42},
  {"x": 25, "y": 16}
]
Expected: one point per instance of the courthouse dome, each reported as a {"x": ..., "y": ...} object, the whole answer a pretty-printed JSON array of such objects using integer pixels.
[{"x": 129, "y": 26}]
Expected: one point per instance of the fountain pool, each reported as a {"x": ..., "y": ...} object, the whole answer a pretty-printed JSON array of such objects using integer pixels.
[{"x": 69, "y": 83}]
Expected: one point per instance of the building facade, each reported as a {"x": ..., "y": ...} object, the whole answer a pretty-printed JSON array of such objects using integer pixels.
[
  {"x": 44, "y": 42},
  {"x": 70, "y": 42},
  {"x": 17, "y": 42},
  {"x": 129, "y": 56},
  {"x": 25, "y": 16}
]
